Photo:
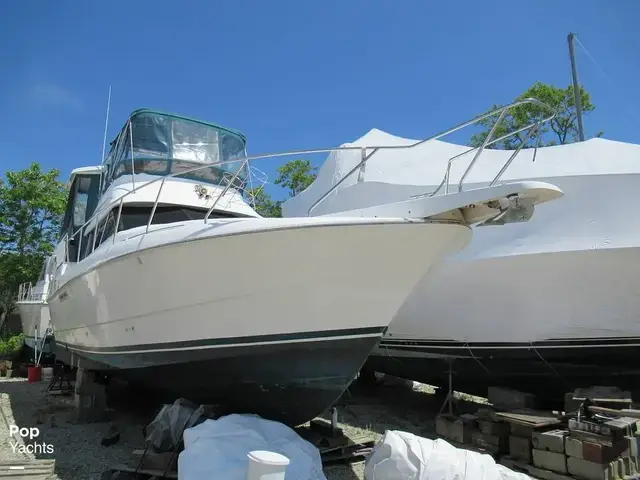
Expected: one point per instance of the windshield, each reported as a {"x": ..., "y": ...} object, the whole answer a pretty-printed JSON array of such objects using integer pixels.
[{"x": 164, "y": 144}]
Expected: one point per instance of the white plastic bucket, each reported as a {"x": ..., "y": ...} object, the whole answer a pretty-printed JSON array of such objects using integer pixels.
[
  {"x": 265, "y": 465},
  {"x": 47, "y": 373}
]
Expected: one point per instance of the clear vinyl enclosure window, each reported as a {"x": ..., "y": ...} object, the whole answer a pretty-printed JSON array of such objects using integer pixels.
[{"x": 164, "y": 144}]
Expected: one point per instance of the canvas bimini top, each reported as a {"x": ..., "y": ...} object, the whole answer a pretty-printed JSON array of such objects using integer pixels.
[{"x": 160, "y": 143}]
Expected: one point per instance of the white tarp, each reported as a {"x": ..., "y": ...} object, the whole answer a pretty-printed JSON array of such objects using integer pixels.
[
  {"x": 404, "y": 456},
  {"x": 408, "y": 171},
  {"x": 219, "y": 448},
  {"x": 577, "y": 258}
]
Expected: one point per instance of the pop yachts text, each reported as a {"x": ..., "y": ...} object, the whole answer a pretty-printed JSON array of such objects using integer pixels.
[{"x": 32, "y": 448}]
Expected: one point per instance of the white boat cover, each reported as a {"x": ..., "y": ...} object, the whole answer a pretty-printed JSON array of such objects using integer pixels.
[
  {"x": 393, "y": 175},
  {"x": 403, "y": 456},
  {"x": 219, "y": 448}
]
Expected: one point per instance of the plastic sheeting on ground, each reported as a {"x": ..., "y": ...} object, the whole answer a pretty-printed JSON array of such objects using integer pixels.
[
  {"x": 165, "y": 432},
  {"x": 404, "y": 456},
  {"x": 219, "y": 448}
]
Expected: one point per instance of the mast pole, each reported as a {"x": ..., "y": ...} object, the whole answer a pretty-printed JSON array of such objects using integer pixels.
[{"x": 576, "y": 86}]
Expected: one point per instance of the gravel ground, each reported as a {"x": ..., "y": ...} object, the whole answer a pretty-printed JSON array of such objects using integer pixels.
[
  {"x": 77, "y": 449},
  {"x": 79, "y": 455}
]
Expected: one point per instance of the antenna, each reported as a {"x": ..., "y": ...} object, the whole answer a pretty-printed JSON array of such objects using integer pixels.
[
  {"x": 576, "y": 86},
  {"x": 104, "y": 139},
  {"x": 106, "y": 124}
]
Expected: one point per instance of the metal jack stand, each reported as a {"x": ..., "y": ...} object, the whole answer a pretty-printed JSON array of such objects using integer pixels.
[{"x": 449, "y": 399}]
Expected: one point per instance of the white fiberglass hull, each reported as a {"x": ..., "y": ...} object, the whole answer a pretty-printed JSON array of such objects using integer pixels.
[
  {"x": 272, "y": 311},
  {"x": 553, "y": 299},
  {"x": 35, "y": 320}
]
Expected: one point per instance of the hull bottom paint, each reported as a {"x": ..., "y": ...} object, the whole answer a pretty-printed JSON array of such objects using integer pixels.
[
  {"x": 548, "y": 368},
  {"x": 291, "y": 381}
]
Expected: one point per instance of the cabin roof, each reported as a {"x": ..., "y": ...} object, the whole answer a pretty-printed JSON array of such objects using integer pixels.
[{"x": 190, "y": 119}]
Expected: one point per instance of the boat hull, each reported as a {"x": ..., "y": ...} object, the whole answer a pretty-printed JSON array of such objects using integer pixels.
[
  {"x": 576, "y": 317},
  {"x": 34, "y": 314},
  {"x": 275, "y": 322}
]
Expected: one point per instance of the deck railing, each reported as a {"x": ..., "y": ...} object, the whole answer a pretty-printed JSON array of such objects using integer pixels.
[
  {"x": 26, "y": 293},
  {"x": 366, "y": 152}
]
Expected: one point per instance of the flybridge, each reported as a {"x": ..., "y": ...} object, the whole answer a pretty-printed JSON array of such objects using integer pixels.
[{"x": 159, "y": 143}]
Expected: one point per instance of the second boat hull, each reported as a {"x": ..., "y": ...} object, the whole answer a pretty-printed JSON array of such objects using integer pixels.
[
  {"x": 555, "y": 322},
  {"x": 35, "y": 320}
]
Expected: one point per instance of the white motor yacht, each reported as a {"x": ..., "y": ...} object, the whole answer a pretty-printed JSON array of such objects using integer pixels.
[
  {"x": 168, "y": 278},
  {"x": 34, "y": 313}
]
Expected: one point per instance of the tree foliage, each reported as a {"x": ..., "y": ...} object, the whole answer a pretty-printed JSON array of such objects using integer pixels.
[
  {"x": 562, "y": 129},
  {"x": 295, "y": 176},
  {"x": 32, "y": 202},
  {"x": 263, "y": 203}
]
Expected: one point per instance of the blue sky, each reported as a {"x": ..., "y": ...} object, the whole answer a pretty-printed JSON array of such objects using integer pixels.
[{"x": 297, "y": 74}]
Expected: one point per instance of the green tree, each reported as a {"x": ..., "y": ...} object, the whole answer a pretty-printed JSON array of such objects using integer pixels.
[
  {"x": 262, "y": 203},
  {"x": 296, "y": 175},
  {"x": 32, "y": 202},
  {"x": 562, "y": 129}
]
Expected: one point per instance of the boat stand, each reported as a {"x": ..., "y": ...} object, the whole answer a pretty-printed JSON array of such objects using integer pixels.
[
  {"x": 449, "y": 398},
  {"x": 60, "y": 382}
]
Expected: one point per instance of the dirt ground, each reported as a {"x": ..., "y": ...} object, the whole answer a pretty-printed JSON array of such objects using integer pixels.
[{"x": 80, "y": 456}]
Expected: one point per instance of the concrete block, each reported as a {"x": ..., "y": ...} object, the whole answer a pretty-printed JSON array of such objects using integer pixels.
[
  {"x": 586, "y": 470},
  {"x": 552, "y": 441},
  {"x": 442, "y": 426},
  {"x": 542, "y": 474},
  {"x": 479, "y": 439},
  {"x": 510, "y": 399},
  {"x": 598, "y": 453},
  {"x": 521, "y": 430},
  {"x": 573, "y": 447},
  {"x": 553, "y": 461},
  {"x": 454, "y": 429},
  {"x": 488, "y": 427},
  {"x": 631, "y": 449},
  {"x": 520, "y": 448}
]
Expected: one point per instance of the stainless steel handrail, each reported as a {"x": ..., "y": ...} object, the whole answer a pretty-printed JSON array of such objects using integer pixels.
[
  {"x": 26, "y": 294},
  {"x": 532, "y": 127},
  {"x": 364, "y": 157}
]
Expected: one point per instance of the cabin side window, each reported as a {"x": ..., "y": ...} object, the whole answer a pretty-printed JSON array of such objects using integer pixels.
[{"x": 82, "y": 201}]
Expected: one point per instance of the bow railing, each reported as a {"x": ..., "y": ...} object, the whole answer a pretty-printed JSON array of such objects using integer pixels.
[
  {"x": 366, "y": 152},
  {"x": 26, "y": 293}
]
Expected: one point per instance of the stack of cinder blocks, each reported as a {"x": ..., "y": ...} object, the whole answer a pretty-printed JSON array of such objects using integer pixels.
[
  {"x": 602, "y": 452},
  {"x": 584, "y": 449}
]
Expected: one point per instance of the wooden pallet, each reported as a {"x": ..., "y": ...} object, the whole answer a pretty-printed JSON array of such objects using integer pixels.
[
  {"x": 333, "y": 444},
  {"x": 142, "y": 473},
  {"x": 354, "y": 448},
  {"x": 27, "y": 469}
]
